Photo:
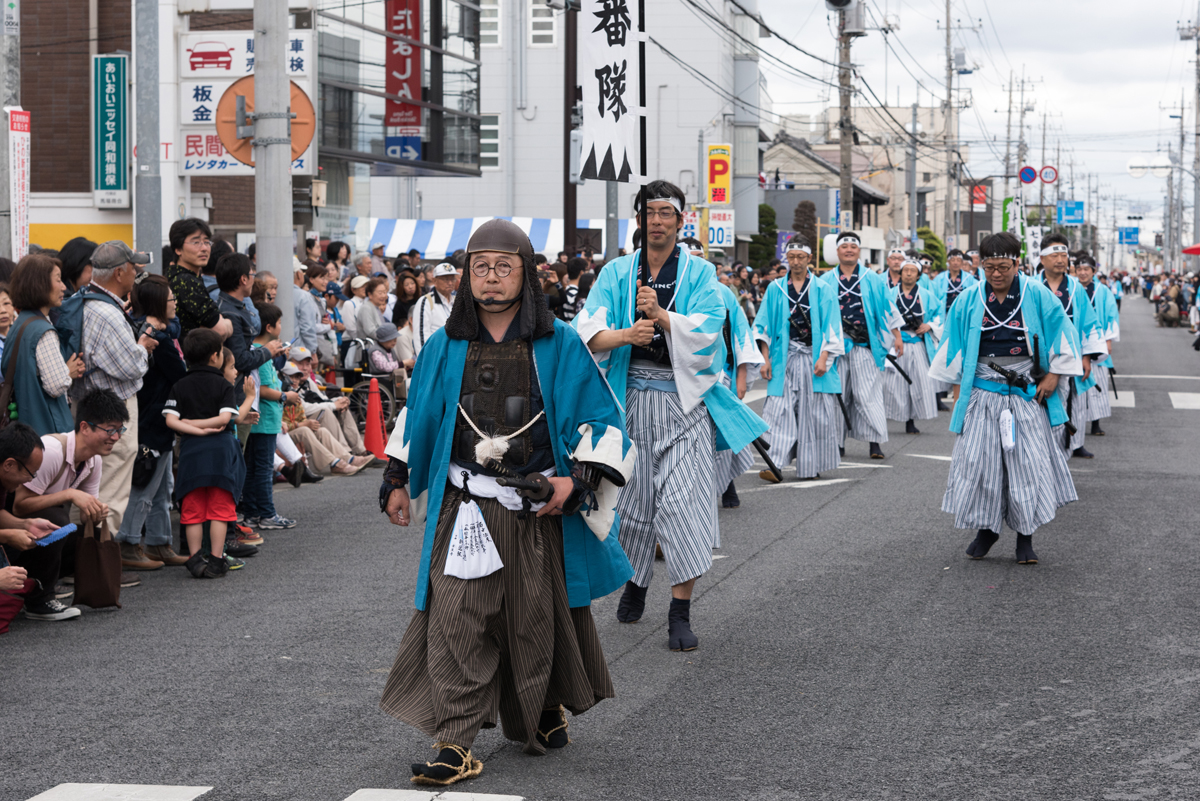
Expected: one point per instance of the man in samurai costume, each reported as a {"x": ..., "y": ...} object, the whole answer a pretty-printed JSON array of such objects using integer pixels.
[
  {"x": 926, "y": 262},
  {"x": 912, "y": 398},
  {"x": 870, "y": 325},
  {"x": 1055, "y": 262},
  {"x": 655, "y": 327},
  {"x": 1006, "y": 342},
  {"x": 799, "y": 316},
  {"x": 958, "y": 276},
  {"x": 895, "y": 258},
  {"x": 509, "y": 422},
  {"x": 741, "y": 362},
  {"x": 1108, "y": 321}
]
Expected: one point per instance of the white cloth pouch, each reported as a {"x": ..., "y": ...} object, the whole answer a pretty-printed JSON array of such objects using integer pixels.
[
  {"x": 472, "y": 553},
  {"x": 1008, "y": 431}
]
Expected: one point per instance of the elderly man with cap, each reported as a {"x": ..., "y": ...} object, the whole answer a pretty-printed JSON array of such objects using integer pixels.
[
  {"x": 798, "y": 318},
  {"x": 507, "y": 457},
  {"x": 871, "y": 326},
  {"x": 433, "y": 309},
  {"x": 654, "y": 320},
  {"x": 117, "y": 356},
  {"x": 378, "y": 266},
  {"x": 332, "y": 413}
]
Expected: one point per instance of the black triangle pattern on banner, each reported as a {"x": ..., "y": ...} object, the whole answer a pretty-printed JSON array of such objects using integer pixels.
[
  {"x": 607, "y": 171},
  {"x": 625, "y": 169},
  {"x": 589, "y": 166}
]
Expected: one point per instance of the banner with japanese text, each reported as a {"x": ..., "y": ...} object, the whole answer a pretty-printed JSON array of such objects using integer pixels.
[
  {"x": 18, "y": 179},
  {"x": 403, "y": 61},
  {"x": 111, "y": 147},
  {"x": 610, "y": 66}
]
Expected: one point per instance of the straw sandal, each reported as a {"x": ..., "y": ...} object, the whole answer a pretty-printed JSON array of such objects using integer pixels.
[
  {"x": 556, "y": 737},
  {"x": 441, "y": 773}
]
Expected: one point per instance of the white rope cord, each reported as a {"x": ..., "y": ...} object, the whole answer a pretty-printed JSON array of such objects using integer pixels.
[{"x": 492, "y": 449}]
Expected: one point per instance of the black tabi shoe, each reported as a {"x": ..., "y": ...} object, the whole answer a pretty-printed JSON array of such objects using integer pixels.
[
  {"x": 876, "y": 451},
  {"x": 679, "y": 627},
  {"x": 633, "y": 603},
  {"x": 841, "y": 451},
  {"x": 982, "y": 543},
  {"x": 552, "y": 728},
  {"x": 941, "y": 407},
  {"x": 910, "y": 427},
  {"x": 1096, "y": 430},
  {"x": 453, "y": 764},
  {"x": 1082, "y": 453},
  {"x": 1025, "y": 554},
  {"x": 729, "y": 499}
]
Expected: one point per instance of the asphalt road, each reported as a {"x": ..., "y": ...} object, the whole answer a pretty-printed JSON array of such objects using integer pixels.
[{"x": 849, "y": 649}]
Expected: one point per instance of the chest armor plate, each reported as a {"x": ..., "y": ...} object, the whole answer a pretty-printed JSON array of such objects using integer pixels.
[{"x": 495, "y": 394}]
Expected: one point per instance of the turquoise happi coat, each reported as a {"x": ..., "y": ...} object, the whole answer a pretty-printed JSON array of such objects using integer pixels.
[
  {"x": 1083, "y": 317},
  {"x": 585, "y": 426},
  {"x": 741, "y": 338},
  {"x": 931, "y": 310},
  {"x": 1042, "y": 316},
  {"x": 695, "y": 341},
  {"x": 772, "y": 325},
  {"x": 941, "y": 285},
  {"x": 1108, "y": 318},
  {"x": 877, "y": 308}
]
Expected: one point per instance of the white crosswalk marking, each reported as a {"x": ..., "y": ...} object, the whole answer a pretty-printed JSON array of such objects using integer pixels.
[
  {"x": 824, "y": 482},
  {"x": 1126, "y": 401},
  {"x": 1185, "y": 400},
  {"x": 754, "y": 395},
  {"x": 844, "y": 465},
  {"x": 120, "y": 792},
  {"x": 928, "y": 456}
]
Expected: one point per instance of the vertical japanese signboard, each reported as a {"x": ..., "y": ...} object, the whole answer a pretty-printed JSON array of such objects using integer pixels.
[
  {"x": 110, "y": 132},
  {"x": 403, "y": 62},
  {"x": 720, "y": 175},
  {"x": 18, "y": 179},
  {"x": 612, "y": 54}
]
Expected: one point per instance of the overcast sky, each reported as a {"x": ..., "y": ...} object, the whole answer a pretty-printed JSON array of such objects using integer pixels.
[{"x": 1104, "y": 71}]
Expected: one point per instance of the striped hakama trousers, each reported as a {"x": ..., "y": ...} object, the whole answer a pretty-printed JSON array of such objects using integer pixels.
[
  {"x": 862, "y": 392},
  {"x": 1079, "y": 415},
  {"x": 671, "y": 498},
  {"x": 804, "y": 425},
  {"x": 1099, "y": 404},
  {"x": 988, "y": 487},
  {"x": 505, "y": 643},
  {"x": 730, "y": 465},
  {"x": 910, "y": 402}
]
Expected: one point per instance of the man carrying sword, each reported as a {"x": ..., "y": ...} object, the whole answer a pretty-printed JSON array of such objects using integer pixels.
[{"x": 1108, "y": 318}]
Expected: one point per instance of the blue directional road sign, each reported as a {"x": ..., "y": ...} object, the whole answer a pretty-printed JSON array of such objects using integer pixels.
[
  {"x": 1070, "y": 212},
  {"x": 1128, "y": 236},
  {"x": 403, "y": 147}
]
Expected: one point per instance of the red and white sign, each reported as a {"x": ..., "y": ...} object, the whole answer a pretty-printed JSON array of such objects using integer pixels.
[
  {"x": 18, "y": 193},
  {"x": 979, "y": 198},
  {"x": 403, "y": 63},
  {"x": 1049, "y": 175}
]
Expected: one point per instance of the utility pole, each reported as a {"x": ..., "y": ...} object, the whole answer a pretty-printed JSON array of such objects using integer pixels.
[
  {"x": 272, "y": 147},
  {"x": 1042, "y": 184},
  {"x": 147, "y": 182},
  {"x": 1182, "y": 241},
  {"x": 1168, "y": 221},
  {"x": 947, "y": 128},
  {"x": 1187, "y": 32},
  {"x": 1058, "y": 183},
  {"x": 10, "y": 95},
  {"x": 845, "y": 127},
  {"x": 570, "y": 95},
  {"x": 912, "y": 179},
  {"x": 1008, "y": 167}
]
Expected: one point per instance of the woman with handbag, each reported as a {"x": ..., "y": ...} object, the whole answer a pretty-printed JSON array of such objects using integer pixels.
[
  {"x": 36, "y": 374},
  {"x": 153, "y": 482}
]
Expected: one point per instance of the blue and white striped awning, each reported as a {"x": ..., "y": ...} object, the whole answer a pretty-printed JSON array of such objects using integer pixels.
[{"x": 437, "y": 239}]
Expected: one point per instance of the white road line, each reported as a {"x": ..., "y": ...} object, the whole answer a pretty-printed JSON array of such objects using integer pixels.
[
  {"x": 824, "y": 482},
  {"x": 1172, "y": 377},
  {"x": 851, "y": 465},
  {"x": 928, "y": 456},
  {"x": 754, "y": 395},
  {"x": 1126, "y": 401},
  {"x": 428, "y": 795},
  {"x": 121, "y": 792},
  {"x": 720, "y": 556},
  {"x": 1185, "y": 400}
]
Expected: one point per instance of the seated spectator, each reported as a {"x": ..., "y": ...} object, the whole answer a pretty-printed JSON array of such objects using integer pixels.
[
  {"x": 202, "y": 407},
  {"x": 21, "y": 460},
  {"x": 292, "y": 464},
  {"x": 330, "y": 454},
  {"x": 369, "y": 315},
  {"x": 382, "y": 358},
  {"x": 332, "y": 413},
  {"x": 42, "y": 376}
]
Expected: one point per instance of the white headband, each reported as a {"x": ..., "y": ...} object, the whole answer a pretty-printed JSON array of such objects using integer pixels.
[
  {"x": 798, "y": 246},
  {"x": 926, "y": 262},
  {"x": 908, "y": 262},
  {"x": 895, "y": 252},
  {"x": 1046, "y": 251},
  {"x": 673, "y": 201},
  {"x": 1012, "y": 256},
  {"x": 972, "y": 252},
  {"x": 854, "y": 240}
]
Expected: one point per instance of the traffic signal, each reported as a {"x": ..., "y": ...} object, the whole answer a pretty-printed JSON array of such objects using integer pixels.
[{"x": 1158, "y": 241}]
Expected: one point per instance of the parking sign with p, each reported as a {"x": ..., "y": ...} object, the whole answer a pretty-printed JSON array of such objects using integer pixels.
[{"x": 720, "y": 174}]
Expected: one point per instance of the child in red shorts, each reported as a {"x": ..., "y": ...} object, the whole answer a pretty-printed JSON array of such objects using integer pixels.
[{"x": 203, "y": 408}]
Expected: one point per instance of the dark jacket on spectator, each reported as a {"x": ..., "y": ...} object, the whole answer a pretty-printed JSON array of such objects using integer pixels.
[
  {"x": 195, "y": 308},
  {"x": 245, "y": 358},
  {"x": 166, "y": 367}
]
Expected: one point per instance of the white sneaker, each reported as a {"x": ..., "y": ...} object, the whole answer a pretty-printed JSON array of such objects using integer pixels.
[{"x": 52, "y": 609}]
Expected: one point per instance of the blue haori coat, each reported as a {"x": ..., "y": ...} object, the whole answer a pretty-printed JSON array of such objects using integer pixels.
[
  {"x": 772, "y": 325},
  {"x": 877, "y": 308},
  {"x": 932, "y": 310},
  {"x": 1087, "y": 328},
  {"x": 1042, "y": 315},
  {"x": 741, "y": 337},
  {"x": 941, "y": 285},
  {"x": 1108, "y": 319},
  {"x": 585, "y": 425},
  {"x": 695, "y": 342}
]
